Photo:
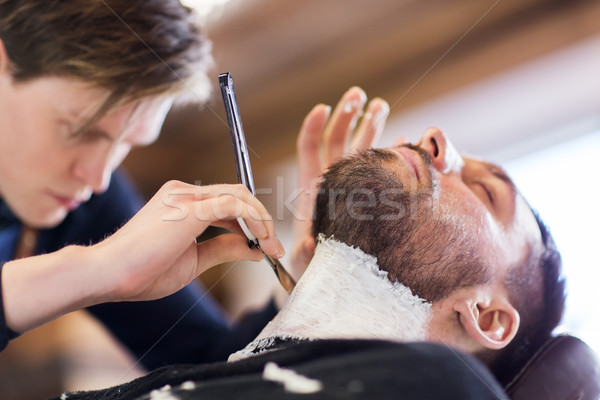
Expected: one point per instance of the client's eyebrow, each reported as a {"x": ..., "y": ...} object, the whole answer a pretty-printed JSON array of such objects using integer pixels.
[{"x": 501, "y": 174}]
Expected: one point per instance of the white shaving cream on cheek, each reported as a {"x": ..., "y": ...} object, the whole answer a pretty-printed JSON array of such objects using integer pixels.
[{"x": 344, "y": 294}]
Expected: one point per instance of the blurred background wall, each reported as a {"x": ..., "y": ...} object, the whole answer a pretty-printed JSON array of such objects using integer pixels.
[{"x": 515, "y": 81}]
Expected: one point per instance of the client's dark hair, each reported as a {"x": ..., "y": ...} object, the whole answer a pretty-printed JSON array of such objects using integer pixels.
[{"x": 537, "y": 290}]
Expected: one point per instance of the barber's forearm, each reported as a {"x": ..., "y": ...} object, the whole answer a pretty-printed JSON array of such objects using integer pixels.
[{"x": 39, "y": 289}]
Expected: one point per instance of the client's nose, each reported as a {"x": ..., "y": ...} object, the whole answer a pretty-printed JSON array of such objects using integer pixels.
[{"x": 445, "y": 157}]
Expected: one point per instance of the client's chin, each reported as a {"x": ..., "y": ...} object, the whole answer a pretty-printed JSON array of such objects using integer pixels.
[{"x": 344, "y": 295}]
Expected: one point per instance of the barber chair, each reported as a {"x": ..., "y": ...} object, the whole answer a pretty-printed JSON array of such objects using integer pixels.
[{"x": 564, "y": 368}]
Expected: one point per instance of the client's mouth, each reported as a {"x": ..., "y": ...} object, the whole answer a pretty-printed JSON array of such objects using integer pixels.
[{"x": 406, "y": 154}]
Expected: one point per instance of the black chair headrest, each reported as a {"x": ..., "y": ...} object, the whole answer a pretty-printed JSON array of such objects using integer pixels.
[{"x": 564, "y": 368}]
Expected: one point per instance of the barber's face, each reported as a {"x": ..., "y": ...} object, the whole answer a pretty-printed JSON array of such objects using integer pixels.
[
  {"x": 473, "y": 195},
  {"x": 46, "y": 169}
]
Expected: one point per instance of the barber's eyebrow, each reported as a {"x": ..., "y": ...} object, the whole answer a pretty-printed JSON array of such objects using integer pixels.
[{"x": 92, "y": 131}]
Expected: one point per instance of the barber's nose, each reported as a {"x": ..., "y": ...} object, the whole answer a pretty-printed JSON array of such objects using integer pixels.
[
  {"x": 445, "y": 157},
  {"x": 94, "y": 173}
]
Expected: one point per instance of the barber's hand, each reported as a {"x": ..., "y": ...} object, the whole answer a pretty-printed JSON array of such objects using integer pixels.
[
  {"x": 324, "y": 138},
  {"x": 155, "y": 254}
]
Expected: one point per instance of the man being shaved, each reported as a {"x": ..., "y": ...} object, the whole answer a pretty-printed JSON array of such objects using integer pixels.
[{"x": 459, "y": 258}]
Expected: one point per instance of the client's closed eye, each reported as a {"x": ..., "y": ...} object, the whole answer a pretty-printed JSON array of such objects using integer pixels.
[{"x": 489, "y": 193}]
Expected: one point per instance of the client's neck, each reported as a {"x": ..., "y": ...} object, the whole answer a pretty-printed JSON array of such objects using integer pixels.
[{"x": 344, "y": 294}]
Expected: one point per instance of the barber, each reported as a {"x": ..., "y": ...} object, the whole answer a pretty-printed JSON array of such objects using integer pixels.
[{"x": 81, "y": 83}]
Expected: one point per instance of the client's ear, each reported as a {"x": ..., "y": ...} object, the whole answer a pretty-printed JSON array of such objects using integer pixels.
[{"x": 491, "y": 322}]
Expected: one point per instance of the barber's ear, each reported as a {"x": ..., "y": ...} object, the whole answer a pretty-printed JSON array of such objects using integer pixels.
[{"x": 492, "y": 323}]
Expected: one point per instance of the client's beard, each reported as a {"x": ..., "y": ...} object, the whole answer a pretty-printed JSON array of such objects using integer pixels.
[{"x": 413, "y": 238}]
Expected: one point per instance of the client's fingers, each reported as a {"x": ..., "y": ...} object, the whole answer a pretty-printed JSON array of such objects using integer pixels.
[
  {"x": 342, "y": 122},
  {"x": 371, "y": 126},
  {"x": 309, "y": 144}
]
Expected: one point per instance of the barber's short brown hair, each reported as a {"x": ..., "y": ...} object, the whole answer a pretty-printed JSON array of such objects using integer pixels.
[{"x": 133, "y": 48}]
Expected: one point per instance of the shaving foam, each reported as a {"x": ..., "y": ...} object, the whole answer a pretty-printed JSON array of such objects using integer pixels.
[{"x": 343, "y": 294}]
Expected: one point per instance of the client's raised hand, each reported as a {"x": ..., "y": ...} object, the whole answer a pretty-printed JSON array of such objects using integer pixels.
[{"x": 325, "y": 137}]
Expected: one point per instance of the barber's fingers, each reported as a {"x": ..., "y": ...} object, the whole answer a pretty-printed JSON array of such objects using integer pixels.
[
  {"x": 228, "y": 247},
  {"x": 226, "y": 203},
  {"x": 202, "y": 206},
  {"x": 234, "y": 226},
  {"x": 342, "y": 123},
  {"x": 371, "y": 126},
  {"x": 221, "y": 209},
  {"x": 239, "y": 193},
  {"x": 309, "y": 144},
  {"x": 231, "y": 225}
]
